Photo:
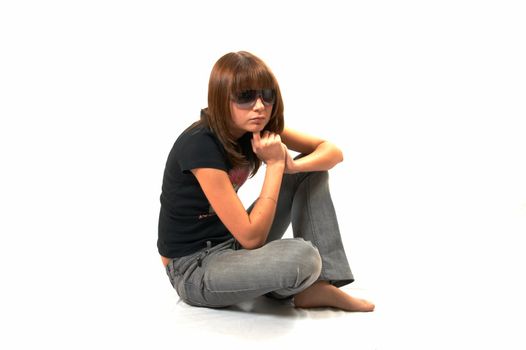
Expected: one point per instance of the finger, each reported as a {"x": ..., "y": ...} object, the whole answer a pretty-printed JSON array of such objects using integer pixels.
[
  {"x": 286, "y": 150},
  {"x": 275, "y": 138},
  {"x": 256, "y": 141}
]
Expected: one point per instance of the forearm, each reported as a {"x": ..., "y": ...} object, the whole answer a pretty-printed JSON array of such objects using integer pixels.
[
  {"x": 262, "y": 214},
  {"x": 324, "y": 157}
]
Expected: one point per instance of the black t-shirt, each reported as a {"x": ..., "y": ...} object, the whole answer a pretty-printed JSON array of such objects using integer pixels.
[{"x": 186, "y": 219}]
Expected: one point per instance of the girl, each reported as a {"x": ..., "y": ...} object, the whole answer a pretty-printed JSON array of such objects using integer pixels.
[{"x": 215, "y": 252}]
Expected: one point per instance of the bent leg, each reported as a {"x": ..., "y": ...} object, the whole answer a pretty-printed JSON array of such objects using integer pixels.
[
  {"x": 305, "y": 200},
  {"x": 226, "y": 277},
  {"x": 314, "y": 219}
]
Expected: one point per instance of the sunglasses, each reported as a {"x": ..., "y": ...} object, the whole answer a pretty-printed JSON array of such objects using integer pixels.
[{"x": 247, "y": 99}]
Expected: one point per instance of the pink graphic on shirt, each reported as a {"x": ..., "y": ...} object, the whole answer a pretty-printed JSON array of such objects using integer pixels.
[{"x": 238, "y": 176}]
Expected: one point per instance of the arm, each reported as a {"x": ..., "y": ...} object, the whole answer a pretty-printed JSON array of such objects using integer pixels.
[
  {"x": 249, "y": 230},
  {"x": 319, "y": 154}
]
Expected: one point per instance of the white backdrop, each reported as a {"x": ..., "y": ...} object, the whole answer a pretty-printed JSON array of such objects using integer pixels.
[{"x": 426, "y": 100}]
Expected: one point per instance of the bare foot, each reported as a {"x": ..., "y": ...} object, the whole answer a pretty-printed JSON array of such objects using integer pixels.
[{"x": 323, "y": 294}]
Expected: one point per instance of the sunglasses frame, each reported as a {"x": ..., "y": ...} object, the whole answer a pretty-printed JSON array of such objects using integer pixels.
[{"x": 254, "y": 95}]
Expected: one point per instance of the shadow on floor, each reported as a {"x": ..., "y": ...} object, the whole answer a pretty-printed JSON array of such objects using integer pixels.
[{"x": 258, "y": 317}]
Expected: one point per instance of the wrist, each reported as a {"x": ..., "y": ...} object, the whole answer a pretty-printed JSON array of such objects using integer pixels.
[{"x": 276, "y": 164}]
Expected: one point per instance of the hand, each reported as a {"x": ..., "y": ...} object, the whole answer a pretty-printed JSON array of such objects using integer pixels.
[
  {"x": 290, "y": 163},
  {"x": 268, "y": 147}
]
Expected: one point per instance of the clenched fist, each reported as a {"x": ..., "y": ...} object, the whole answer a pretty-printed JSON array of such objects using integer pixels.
[{"x": 268, "y": 147}]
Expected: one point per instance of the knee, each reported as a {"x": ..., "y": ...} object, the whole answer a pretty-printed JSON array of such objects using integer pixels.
[
  {"x": 310, "y": 263},
  {"x": 304, "y": 265},
  {"x": 321, "y": 175},
  {"x": 316, "y": 176}
]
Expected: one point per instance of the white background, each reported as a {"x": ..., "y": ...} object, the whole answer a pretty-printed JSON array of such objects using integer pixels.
[{"x": 426, "y": 100}]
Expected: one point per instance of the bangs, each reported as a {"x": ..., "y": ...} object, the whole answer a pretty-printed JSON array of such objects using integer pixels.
[{"x": 251, "y": 75}]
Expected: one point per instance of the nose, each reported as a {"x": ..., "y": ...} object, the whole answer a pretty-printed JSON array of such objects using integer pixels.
[{"x": 259, "y": 104}]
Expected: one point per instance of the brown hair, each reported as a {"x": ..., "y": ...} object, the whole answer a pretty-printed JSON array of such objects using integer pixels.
[{"x": 232, "y": 73}]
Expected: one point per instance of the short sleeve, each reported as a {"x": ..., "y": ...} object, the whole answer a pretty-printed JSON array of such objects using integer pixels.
[{"x": 202, "y": 150}]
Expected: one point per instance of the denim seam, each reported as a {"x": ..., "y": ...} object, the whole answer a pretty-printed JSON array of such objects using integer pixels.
[
  {"x": 314, "y": 230},
  {"x": 228, "y": 291},
  {"x": 205, "y": 303},
  {"x": 233, "y": 291}
]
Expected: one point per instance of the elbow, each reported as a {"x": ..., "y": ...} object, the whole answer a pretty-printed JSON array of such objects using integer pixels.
[
  {"x": 337, "y": 154},
  {"x": 333, "y": 152},
  {"x": 251, "y": 242},
  {"x": 251, "y": 246}
]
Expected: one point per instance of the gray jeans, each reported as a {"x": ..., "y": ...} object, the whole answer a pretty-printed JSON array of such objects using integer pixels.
[{"x": 227, "y": 274}]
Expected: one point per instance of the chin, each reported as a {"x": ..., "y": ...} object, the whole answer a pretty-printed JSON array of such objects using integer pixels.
[{"x": 255, "y": 128}]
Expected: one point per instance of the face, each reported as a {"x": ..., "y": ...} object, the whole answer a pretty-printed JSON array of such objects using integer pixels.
[{"x": 251, "y": 119}]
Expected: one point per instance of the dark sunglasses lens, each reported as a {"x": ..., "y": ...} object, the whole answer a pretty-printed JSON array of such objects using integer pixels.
[
  {"x": 268, "y": 95},
  {"x": 246, "y": 96}
]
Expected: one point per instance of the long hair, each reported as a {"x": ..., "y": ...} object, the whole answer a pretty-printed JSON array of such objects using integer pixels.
[{"x": 232, "y": 73}]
